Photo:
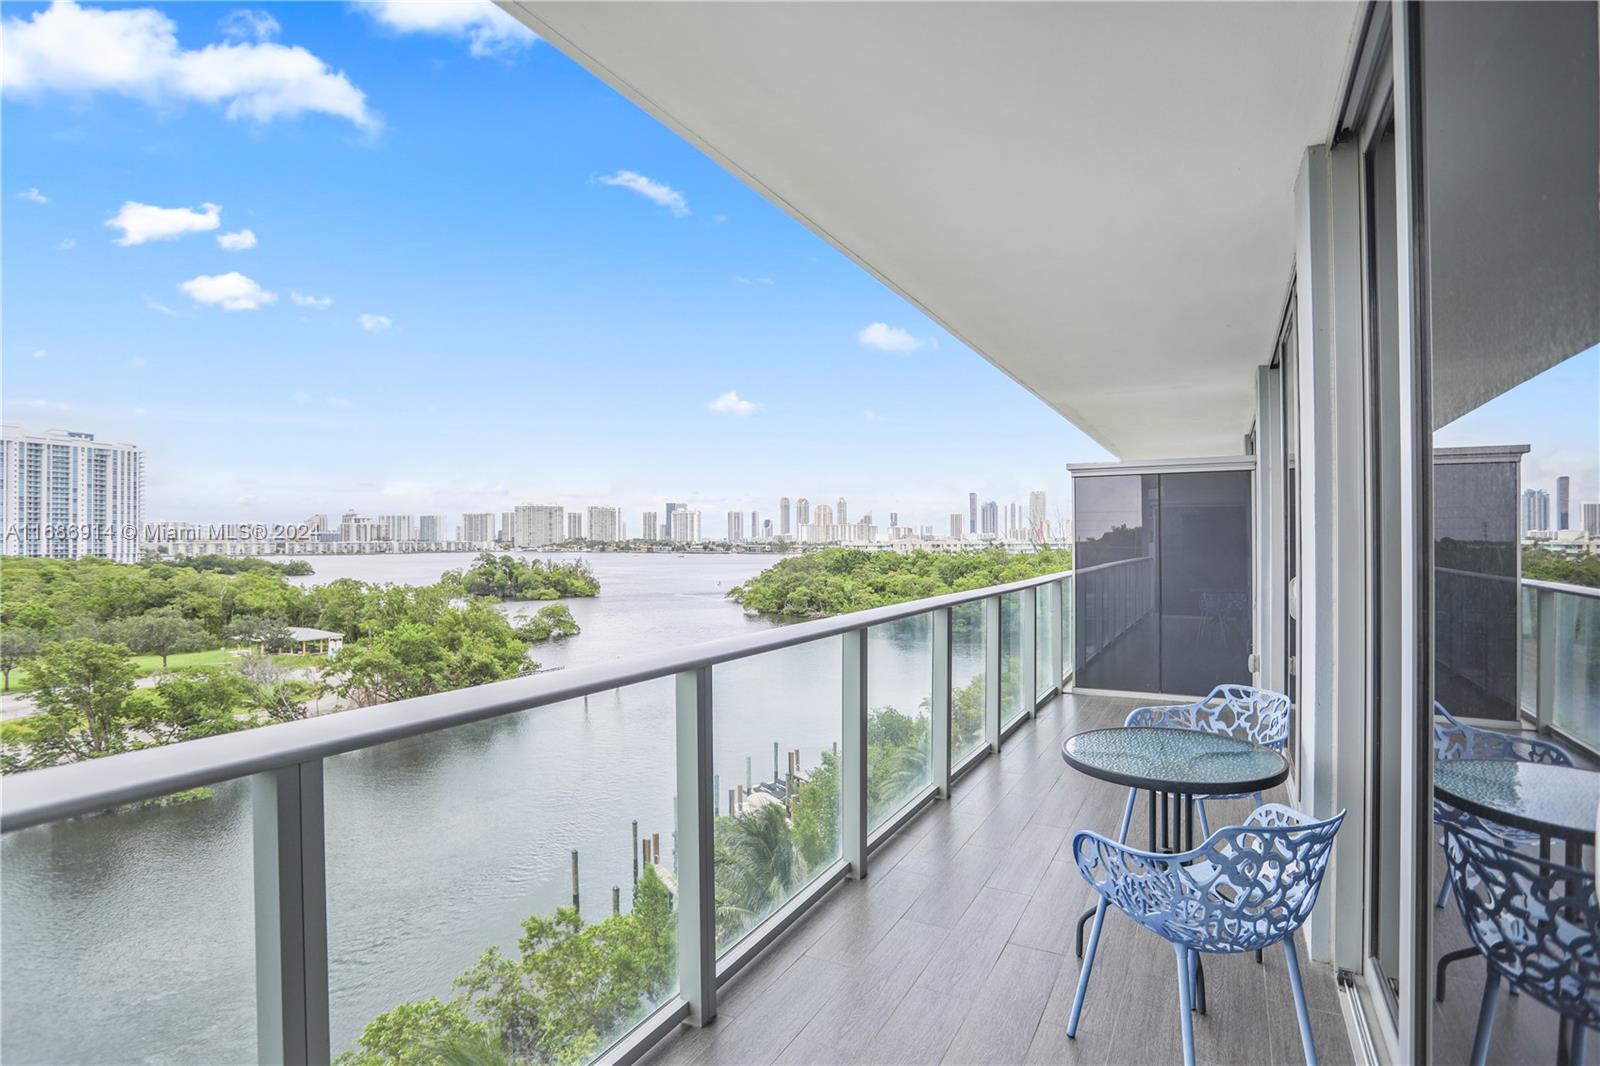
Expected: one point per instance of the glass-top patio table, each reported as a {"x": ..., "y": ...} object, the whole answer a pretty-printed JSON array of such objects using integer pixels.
[
  {"x": 1555, "y": 802},
  {"x": 1175, "y": 766}
]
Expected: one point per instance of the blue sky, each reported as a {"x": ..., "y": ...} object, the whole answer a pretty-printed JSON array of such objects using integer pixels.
[{"x": 478, "y": 277}]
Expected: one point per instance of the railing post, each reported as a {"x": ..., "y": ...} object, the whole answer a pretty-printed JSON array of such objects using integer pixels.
[
  {"x": 1545, "y": 634},
  {"x": 940, "y": 703},
  {"x": 1029, "y": 659},
  {"x": 853, "y": 754},
  {"x": 991, "y": 672},
  {"x": 697, "y": 926},
  {"x": 291, "y": 902},
  {"x": 1056, "y": 666}
]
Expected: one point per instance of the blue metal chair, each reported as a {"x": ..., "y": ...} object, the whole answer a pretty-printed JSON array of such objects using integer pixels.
[
  {"x": 1258, "y": 715},
  {"x": 1454, "y": 739},
  {"x": 1246, "y": 888},
  {"x": 1537, "y": 925}
]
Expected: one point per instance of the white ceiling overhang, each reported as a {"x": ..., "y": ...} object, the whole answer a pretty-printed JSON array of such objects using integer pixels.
[{"x": 1096, "y": 197}]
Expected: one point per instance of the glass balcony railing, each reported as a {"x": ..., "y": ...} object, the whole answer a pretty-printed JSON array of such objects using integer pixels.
[
  {"x": 1560, "y": 686},
  {"x": 544, "y": 869}
]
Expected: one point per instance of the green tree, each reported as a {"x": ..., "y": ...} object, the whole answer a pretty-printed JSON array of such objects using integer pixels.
[
  {"x": 757, "y": 867},
  {"x": 79, "y": 688},
  {"x": 838, "y": 580},
  {"x": 460, "y": 647},
  {"x": 187, "y": 705},
  {"x": 1542, "y": 564},
  {"x": 18, "y": 644},
  {"x": 163, "y": 631},
  {"x": 553, "y": 622},
  {"x": 816, "y": 814}
]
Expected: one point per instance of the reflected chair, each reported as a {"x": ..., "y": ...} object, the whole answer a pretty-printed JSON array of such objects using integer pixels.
[
  {"x": 1537, "y": 926},
  {"x": 1246, "y": 888},
  {"x": 1258, "y": 715}
]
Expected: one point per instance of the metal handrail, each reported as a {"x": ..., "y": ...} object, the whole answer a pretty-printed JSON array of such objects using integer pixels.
[
  {"x": 1557, "y": 586},
  {"x": 58, "y": 792}
]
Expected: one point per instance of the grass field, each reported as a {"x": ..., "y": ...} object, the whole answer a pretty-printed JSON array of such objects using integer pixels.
[{"x": 151, "y": 664}]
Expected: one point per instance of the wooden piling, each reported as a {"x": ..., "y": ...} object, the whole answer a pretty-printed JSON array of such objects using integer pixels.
[
  {"x": 775, "y": 778},
  {"x": 636, "y": 853},
  {"x": 575, "y": 880},
  {"x": 616, "y": 899}
]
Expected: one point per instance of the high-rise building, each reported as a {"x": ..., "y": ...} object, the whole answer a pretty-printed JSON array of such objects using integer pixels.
[
  {"x": 1563, "y": 502},
  {"x": 844, "y": 512},
  {"x": 650, "y": 528},
  {"x": 1535, "y": 510},
  {"x": 432, "y": 528},
  {"x": 1038, "y": 518},
  {"x": 401, "y": 527},
  {"x": 955, "y": 525},
  {"x": 972, "y": 512},
  {"x": 894, "y": 518},
  {"x": 784, "y": 528},
  {"x": 605, "y": 524},
  {"x": 477, "y": 527},
  {"x": 802, "y": 512},
  {"x": 508, "y": 527},
  {"x": 65, "y": 482},
  {"x": 358, "y": 529},
  {"x": 1591, "y": 518},
  {"x": 990, "y": 519},
  {"x": 755, "y": 524},
  {"x": 574, "y": 525},
  {"x": 685, "y": 525},
  {"x": 735, "y": 527},
  {"x": 766, "y": 529},
  {"x": 822, "y": 515},
  {"x": 539, "y": 524}
]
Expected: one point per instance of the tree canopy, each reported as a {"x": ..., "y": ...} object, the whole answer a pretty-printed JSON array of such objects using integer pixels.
[{"x": 839, "y": 580}]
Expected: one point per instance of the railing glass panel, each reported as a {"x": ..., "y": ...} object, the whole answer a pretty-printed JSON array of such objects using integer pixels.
[
  {"x": 453, "y": 860},
  {"x": 1528, "y": 687},
  {"x": 899, "y": 698},
  {"x": 1068, "y": 646},
  {"x": 1014, "y": 687},
  {"x": 129, "y": 935},
  {"x": 776, "y": 727},
  {"x": 966, "y": 680},
  {"x": 1048, "y": 639},
  {"x": 1576, "y": 681}
]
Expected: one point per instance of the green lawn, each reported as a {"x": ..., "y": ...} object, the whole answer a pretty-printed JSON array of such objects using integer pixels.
[{"x": 150, "y": 664}]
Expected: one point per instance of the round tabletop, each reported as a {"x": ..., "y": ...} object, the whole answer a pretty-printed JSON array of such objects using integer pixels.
[
  {"x": 1556, "y": 801},
  {"x": 1185, "y": 761}
]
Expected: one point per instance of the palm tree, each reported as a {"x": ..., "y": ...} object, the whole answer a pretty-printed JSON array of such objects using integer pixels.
[{"x": 757, "y": 867}]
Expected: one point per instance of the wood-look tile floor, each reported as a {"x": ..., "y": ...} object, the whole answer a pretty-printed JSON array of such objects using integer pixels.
[{"x": 958, "y": 947}]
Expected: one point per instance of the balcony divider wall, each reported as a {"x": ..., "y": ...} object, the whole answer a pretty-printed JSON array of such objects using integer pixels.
[{"x": 1162, "y": 574}]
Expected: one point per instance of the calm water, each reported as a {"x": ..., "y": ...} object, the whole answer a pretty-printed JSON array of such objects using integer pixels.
[{"x": 130, "y": 937}]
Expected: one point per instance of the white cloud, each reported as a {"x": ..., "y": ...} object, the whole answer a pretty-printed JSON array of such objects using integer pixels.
[
  {"x": 742, "y": 280},
  {"x": 135, "y": 52},
  {"x": 137, "y": 362},
  {"x": 33, "y": 196},
  {"x": 375, "y": 323},
  {"x": 40, "y": 354},
  {"x": 887, "y": 338},
  {"x": 142, "y": 222},
  {"x": 231, "y": 291},
  {"x": 730, "y": 403},
  {"x": 160, "y": 308},
  {"x": 245, "y": 24},
  {"x": 49, "y": 405},
  {"x": 67, "y": 244},
  {"x": 319, "y": 303},
  {"x": 651, "y": 190},
  {"x": 488, "y": 30},
  {"x": 237, "y": 242}
]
